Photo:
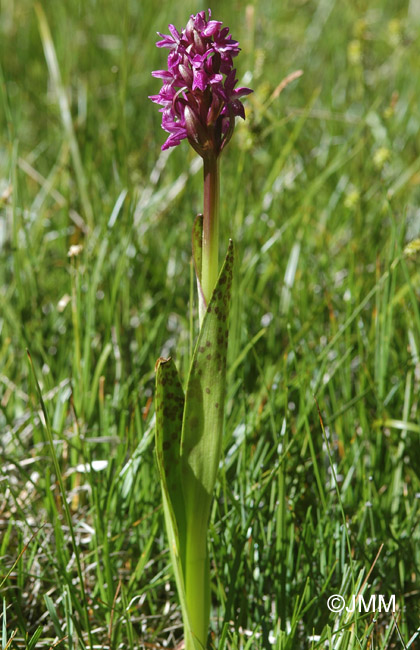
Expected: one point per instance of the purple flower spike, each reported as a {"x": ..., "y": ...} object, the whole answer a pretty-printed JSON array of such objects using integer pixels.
[{"x": 198, "y": 97}]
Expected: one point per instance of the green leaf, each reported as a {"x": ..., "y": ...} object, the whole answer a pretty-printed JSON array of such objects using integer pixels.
[
  {"x": 201, "y": 443},
  {"x": 53, "y": 614},
  {"x": 169, "y": 409},
  {"x": 204, "y": 402},
  {"x": 34, "y": 638},
  {"x": 188, "y": 446}
]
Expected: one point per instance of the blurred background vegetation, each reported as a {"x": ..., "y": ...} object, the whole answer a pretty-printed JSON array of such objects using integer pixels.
[{"x": 320, "y": 191}]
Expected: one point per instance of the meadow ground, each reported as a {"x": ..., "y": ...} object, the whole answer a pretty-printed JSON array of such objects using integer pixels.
[{"x": 321, "y": 194}]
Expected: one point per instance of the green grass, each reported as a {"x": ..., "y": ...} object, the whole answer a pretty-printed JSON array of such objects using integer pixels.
[{"x": 320, "y": 191}]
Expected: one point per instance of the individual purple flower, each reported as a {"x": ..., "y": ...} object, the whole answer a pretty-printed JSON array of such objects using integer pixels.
[{"x": 198, "y": 98}]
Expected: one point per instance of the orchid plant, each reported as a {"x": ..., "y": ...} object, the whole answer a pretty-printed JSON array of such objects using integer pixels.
[{"x": 199, "y": 102}]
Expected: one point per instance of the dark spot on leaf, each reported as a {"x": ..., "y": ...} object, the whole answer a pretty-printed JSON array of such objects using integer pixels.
[{"x": 193, "y": 421}]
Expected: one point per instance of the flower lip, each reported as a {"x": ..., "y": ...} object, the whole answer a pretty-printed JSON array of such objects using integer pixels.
[
  {"x": 212, "y": 27},
  {"x": 162, "y": 74},
  {"x": 198, "y": 97}
]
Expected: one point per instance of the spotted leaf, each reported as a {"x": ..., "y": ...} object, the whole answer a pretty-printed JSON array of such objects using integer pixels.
[
  {"x": 204, "y": 402},
  {"x": 169, "y": 406}
]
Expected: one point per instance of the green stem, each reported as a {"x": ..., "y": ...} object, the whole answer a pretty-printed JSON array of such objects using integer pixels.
[
  {"x": 210, "y": 256},
  {"x": 197, "y": 570},
  {"x": 197, "y": 588}
]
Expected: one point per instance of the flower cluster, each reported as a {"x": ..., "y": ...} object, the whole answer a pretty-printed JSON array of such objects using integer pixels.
[{"x": 198, "y": 97}]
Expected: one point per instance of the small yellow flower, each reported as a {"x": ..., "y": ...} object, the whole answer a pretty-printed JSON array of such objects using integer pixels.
[
  {"x": 354, "y": 52},
  {"x": 352, "y": 198},
  {"x": 381, "y": 156}
]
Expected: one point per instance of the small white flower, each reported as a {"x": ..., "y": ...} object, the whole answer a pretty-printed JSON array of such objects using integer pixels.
[
  {"x": 75, "y": 250},
  {"x": 63, "y": 302}
]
